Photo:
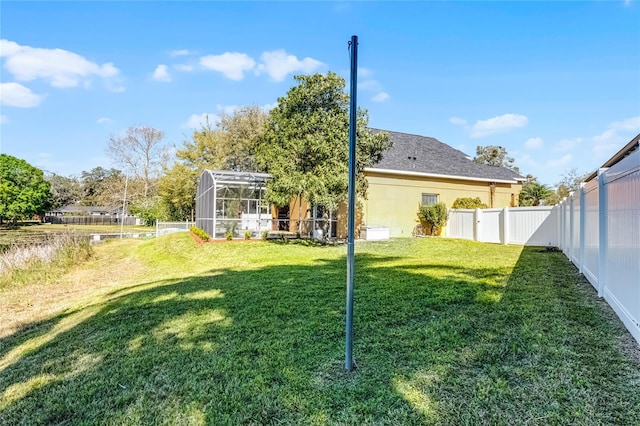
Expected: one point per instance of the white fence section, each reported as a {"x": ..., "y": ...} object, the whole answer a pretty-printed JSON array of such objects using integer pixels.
[
  {"x": 164, "y": 228},
  {"x": 601, "y": 229},
  {"x": 533, "y": 226},
  {"x": 597, "y": 228}
]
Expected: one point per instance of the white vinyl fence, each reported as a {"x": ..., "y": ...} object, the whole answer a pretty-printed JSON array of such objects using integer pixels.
[
  {"x": 597, "y": 228},
  {"x": 600, "y": 227},
  {"x": 532, "y": 226},
  {"x": 164, "y": 228}
]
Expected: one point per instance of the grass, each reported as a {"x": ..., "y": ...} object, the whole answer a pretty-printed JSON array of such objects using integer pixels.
[{"x": 446, "y": 332}]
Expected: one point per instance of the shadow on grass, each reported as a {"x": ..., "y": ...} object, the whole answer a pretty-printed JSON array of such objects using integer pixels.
[{"x": 434, "y": 343}]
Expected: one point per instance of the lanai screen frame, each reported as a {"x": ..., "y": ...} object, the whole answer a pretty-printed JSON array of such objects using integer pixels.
[{"x": 211, "y": 181}]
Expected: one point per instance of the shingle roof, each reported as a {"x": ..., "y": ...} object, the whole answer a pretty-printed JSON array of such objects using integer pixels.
[{"x": 421, "y": 154}]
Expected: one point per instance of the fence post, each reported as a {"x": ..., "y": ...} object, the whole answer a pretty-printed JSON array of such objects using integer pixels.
[
  {"x": 582, "y": 227},
  {"x": 505, "y": 226},
  {"x": 603, "y": 232},
  {"x": 476, "y": 224}
]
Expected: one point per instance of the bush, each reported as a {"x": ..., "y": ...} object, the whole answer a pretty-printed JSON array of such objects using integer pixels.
[
  {"x": 434, "y": 215},
  {"x": 265, "y": 234},
  {"x": 229, "y": 235},
  {"x": 201, "y": 233},
  {"x": 469, "y": 203},
  {"x": 247, "y": 235}
]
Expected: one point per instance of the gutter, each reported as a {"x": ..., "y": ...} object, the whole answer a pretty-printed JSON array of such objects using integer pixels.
[{"x": 434, "y": 175}]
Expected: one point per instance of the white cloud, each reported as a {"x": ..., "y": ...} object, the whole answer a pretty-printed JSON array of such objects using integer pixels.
[
  {"x": 499, "y": 124},
  {"x": 369, "y": 85},
  {"x": 161, "y": 73},
  {"x": 629, "y": 125},
  {"x": 4, "y": 119},
  {"x": 104, "y": 120},
  {"x": 180, "y": 52},
  {"x": 364, "y": 72},
  {"x": 458, "y": 121},
  {"x": 183, "y": 67},
  {"x": 559, "y": 162},
  {"x": 17, "y": 95},
  {"x": 525, "y": 159},
  {"x": 381, "y": 97},
  {"x": 617, "y": 134},
  {"x": 196, "y": 121},
  {"x": 277, "y": 64},
  {"x": 231, "y": 64},
  {"x": 534, "y": 143},
  {"x": 59, "y": 67},
  {"x": 566, "y": 144}
]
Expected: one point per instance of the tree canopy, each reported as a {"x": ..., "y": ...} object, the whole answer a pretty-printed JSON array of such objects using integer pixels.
[
  {"x": 305, "y": 146},
  {"x": 227, "y": 145},
  {"x": 494, "y": 156},
  {"x": 23, "y": 190},
  {"x": 534, "y": 193}
]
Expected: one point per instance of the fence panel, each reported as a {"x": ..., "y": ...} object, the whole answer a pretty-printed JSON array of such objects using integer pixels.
[
  {"x": 490, "y": 223},
  {"x": 575, "y": 229},
  {"x": 622, "y": 270},
  {"x": 591, "y": 231},
  {"x": 164, "y": 228},
  {"x": 461, "y": 224},
  {"x": 533, "y": 226}
]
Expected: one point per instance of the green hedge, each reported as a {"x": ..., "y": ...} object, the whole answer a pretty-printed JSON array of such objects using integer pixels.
[{"x": 202, "y": 234}]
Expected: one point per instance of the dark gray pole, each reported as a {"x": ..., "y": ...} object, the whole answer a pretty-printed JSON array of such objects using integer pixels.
[{"x": 351, "y": 216}]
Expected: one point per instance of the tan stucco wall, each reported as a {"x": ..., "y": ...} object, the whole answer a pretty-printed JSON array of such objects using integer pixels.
[{"x": 393, "y": 199}]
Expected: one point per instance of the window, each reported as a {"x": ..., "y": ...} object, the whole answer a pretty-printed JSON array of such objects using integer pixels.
[{"x": 429, "y": 199}]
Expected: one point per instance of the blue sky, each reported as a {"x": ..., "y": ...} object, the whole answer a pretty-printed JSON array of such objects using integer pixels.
[{"x": 556, "y": 83}]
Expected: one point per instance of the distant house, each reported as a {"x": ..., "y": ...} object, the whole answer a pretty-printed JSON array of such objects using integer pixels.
[
  {"x": 78, "y": 210},
  {"x": 420, "y": 169}
]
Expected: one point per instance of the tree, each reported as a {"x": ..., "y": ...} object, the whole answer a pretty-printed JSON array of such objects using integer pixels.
[
  {"x": 102, "y": 186},
  {"x": 240, "y": 132},
  {"x": 494, "y": 156},
  {"x": 229, "y": 145},
  {"x": 64, "y": 190},
  {"x": 306, "y": 144},
  {"x": 23, "y": 190},
  {"x": 140, "y": 152},
  {"x": 534, "y": 193},
  {"x": 177, "y": 189}
]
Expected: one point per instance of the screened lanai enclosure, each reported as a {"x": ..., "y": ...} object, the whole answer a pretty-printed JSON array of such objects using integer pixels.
[
  {"x": 228, "y": 201},
  {"x": 234, "y": 202}
]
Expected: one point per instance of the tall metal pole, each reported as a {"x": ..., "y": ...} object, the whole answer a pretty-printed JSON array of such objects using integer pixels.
[{"x": 351, "y": 216}]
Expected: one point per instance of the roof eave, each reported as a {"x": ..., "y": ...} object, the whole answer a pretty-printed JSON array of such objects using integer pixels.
[{"x": 440, "y": 176}]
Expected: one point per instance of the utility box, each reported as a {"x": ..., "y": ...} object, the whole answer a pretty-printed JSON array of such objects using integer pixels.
[{"x": 374, "y": 233}]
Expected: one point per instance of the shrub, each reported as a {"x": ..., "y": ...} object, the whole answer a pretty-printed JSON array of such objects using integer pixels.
[
  {"x": 469, "y": 203},
  {"x": 229, "y": 235},
  {"x": 265, "y": 234},
  {"x": 247, "y": 235},
  {"x": 434, "y": 215},
  {"x": 201, "y": 233}
]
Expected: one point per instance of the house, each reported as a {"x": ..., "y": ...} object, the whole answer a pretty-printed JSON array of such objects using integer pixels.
[
  {"x": 78, "y": 210},
  {"x": 630, "y": 148},
  {"x": 420, "y": 169},
  {"x": 417, "y": 169}
]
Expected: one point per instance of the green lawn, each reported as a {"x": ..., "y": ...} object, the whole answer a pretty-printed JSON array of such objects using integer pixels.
[{"x": 446, "y": 332}]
